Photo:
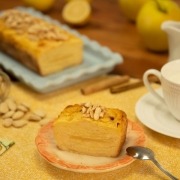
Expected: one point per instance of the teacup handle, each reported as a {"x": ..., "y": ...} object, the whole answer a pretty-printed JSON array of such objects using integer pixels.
[{"x": 147, "y": 83}]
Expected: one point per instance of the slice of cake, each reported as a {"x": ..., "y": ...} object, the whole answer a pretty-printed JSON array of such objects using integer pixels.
[
  {"x": 91, "y": 130},
  {"x": 41, "y": 46}
]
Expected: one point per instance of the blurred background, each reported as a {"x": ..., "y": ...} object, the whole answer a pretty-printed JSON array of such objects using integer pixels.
[{"x": 108, "y": 25}]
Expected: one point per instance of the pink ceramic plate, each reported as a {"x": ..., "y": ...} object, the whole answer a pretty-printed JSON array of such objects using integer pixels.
[{"x": 82, "y": 163}]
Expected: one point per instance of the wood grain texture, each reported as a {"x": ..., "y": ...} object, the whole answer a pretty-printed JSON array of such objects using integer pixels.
[{"x": 110, "y": 28}]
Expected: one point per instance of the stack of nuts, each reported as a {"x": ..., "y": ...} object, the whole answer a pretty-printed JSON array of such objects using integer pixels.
[
  {"x": 13, "y": 113},
  {"x": 19, "y": 114},
  {"x": 94, "y": 111}
]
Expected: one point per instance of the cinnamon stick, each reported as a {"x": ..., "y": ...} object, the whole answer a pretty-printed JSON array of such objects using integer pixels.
[
  {"x": 104, "y": 84},
  {"x": 118, "y": 89}
]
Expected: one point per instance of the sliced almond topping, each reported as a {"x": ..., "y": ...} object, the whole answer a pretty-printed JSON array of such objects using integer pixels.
[
  {"x": 101, "y": 114},
  {"x": 93, "y": 111},
  {"x": 87, "y": 104},
  {"x": 92, "y": 114},
  {"x": 97, "y": 113},
  {"x": 32, "y": 26}
]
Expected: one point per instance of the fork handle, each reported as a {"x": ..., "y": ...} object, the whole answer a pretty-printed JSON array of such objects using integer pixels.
[{"x": 163, "y": 170}]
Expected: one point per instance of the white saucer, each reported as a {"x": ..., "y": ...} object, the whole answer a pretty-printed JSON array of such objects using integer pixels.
[{"x": 155, "y": 115}]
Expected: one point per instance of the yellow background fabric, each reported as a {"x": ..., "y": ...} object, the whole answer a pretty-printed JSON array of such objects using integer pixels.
[{"x": 22, "y": 161}]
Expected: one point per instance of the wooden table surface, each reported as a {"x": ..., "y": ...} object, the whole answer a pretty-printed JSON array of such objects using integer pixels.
[{"x": 110, "y": 28}]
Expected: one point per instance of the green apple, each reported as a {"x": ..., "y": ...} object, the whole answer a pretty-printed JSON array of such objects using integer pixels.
[
  {"x": 130, "y": 8},
  {"x": 149, "y": 21}
]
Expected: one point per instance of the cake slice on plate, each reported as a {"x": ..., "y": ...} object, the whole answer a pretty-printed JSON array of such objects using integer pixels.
[{"x": 91, "y": 130}]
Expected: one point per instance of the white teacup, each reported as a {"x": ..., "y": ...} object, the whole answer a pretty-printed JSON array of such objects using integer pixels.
[{"x": 169, "y": 77}]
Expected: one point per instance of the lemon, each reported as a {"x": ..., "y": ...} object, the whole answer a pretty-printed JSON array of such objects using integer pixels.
[
  {"x": 42, "y": 5},
  {"x": 82, "y": 0},
  {"x": 76, "y": 12}
]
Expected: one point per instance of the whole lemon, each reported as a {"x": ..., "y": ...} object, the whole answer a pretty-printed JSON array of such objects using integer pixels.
[
  {"x": 130, "y": 8},
  {"x": 149, "y": 21},
  {"x": 41, "y": 5}
]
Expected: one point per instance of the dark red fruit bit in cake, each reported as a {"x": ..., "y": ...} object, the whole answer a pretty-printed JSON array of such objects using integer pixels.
[{"x": 111, "y": 118}]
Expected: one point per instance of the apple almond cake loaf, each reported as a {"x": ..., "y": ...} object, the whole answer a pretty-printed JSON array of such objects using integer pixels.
[
  {"x": 91, "y": 130},
  {"x": 39, "y": 45}
]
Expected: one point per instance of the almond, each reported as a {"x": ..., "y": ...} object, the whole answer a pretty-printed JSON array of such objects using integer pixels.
[
  {"x": 18, "y": 115},
  {"x": 4, "y": 108},
  {"x": 19, "y": 123},
  {"x": 7, "y": 122}
]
